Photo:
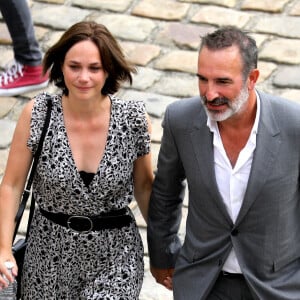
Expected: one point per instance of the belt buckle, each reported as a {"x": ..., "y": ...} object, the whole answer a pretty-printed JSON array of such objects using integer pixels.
[{"x": 72, "y": 225}]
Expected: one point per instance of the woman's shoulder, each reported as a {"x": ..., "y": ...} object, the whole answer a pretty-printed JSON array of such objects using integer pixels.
[
  {"x": 38, "y": 115},
  {"x": 41, "y": 99},
  {"x": 128, "y": 106},
  {"x": 40, "y": 106}
]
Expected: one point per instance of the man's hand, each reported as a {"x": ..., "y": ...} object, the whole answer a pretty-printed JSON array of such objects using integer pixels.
[{"x": 163, "y": 276}]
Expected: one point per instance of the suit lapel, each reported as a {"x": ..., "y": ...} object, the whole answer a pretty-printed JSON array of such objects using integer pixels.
[
  {"x": 267, "y": 146},
  {"x": 202, "y": 141}
]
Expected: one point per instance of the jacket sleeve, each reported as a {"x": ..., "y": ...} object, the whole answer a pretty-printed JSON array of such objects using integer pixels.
[{"x": 166, "y": 201}]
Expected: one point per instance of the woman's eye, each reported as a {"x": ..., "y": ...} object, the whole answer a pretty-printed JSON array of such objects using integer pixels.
[{"x": 95, "y": 68}]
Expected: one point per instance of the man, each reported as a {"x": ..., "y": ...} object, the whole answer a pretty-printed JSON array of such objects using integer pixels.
[{"x": 239, "y": 150}]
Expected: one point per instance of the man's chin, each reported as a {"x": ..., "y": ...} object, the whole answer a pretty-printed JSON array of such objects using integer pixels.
[{"x": 218, "y": 116}]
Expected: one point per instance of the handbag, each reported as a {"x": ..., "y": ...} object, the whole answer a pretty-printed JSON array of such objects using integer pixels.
[{"x": 19, "y": 247}]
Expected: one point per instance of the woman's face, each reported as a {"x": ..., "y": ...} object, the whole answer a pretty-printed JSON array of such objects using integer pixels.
[{"x": 83, "y": 73}]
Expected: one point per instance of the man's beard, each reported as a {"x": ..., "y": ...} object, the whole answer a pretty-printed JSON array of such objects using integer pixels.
[{"x": 235, "y": 106}]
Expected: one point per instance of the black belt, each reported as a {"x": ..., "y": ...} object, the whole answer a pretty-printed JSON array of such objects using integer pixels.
[
  {"x": 110, "y": 220},
  {"x": 231, "y": 275}
]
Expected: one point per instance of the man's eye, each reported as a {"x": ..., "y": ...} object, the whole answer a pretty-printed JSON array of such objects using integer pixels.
[
  {"x": 201, "y": 78},
  {"x": 223, "y": 81}
]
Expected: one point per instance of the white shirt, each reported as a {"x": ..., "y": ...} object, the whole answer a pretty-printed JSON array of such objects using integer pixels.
[{"x": 232, "y": 182}]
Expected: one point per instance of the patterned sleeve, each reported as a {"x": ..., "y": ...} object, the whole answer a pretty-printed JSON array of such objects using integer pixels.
[
  {"x": 38, "y": 116},
  {"x": 140, "y": 128}
]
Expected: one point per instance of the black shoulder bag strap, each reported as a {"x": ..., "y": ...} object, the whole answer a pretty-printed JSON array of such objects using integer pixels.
[{"x": 26, "y": 192}]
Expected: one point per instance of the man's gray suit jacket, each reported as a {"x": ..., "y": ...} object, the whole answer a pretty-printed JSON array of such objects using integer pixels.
[{"x": 266, "y": 234}]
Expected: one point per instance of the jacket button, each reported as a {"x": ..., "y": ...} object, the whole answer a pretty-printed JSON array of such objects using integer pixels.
[{"x": 234, "y": 232}]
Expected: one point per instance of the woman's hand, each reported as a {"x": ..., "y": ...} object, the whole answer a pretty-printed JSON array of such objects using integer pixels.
[{"x": 8, "y": 257}]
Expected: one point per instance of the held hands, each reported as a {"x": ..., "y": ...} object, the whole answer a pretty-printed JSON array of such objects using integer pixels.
[{"x": 163, "y": 276}]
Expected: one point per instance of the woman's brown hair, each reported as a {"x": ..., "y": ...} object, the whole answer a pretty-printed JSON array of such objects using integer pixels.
[{"x": 112, "y": 57}]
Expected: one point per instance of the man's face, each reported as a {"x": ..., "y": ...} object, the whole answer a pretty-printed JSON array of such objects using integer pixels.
[{"x": 222, "y": 88}]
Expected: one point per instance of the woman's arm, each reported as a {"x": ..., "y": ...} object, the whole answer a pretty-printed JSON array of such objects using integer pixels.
[
  {"x": 12, "y": 185},
  {"x": 143, "y": 179}
]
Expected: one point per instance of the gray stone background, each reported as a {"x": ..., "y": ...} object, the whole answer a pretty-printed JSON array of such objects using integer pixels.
[{"x": 162, "y": 38}]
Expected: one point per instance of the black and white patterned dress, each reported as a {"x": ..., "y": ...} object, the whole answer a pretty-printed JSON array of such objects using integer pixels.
[{"x": 107, "y": 264}]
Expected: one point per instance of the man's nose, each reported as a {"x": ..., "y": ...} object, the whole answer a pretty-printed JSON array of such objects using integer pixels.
[{"x": 210, "y": 92}]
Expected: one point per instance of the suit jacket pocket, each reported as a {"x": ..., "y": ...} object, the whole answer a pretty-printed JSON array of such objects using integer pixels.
[{"x": 284, "y": 261}]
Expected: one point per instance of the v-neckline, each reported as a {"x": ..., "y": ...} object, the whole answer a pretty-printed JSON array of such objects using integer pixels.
[
  {"x": 87, "y": 177},
  {"x": 100, "y": 163}
]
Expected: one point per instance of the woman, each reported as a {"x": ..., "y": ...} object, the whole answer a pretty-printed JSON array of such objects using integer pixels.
[{"x": 95, "y": 159}]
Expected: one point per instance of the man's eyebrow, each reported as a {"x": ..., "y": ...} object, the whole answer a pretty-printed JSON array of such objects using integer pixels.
[
  {"x": 199, "y": 75},
  {"x": 224, "y": 79}
]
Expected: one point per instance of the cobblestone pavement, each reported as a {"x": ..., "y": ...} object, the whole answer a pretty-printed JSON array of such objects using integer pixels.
[{"x": 162, "y": 39}]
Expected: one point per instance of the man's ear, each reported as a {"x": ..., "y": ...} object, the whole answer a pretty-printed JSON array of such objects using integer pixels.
[{"x": 252, "y": 78}]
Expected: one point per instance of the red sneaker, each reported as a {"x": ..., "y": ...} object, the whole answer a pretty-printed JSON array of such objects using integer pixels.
[{"x": 18, "y": 79}]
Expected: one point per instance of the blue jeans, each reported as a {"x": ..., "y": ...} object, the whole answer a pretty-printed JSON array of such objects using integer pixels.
[{"x": 17, "y": 17}]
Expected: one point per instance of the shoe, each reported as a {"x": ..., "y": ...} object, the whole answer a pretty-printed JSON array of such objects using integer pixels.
[{"x": 18, "y": 79}]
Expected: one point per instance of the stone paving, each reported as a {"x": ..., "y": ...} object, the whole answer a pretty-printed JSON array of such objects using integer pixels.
[{"x": 162, "y": 39}]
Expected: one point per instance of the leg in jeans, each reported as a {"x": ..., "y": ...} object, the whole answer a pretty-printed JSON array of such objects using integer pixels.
[
  {"x": 18, "y": 19},
  {"x": 25, "y": 73}
]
